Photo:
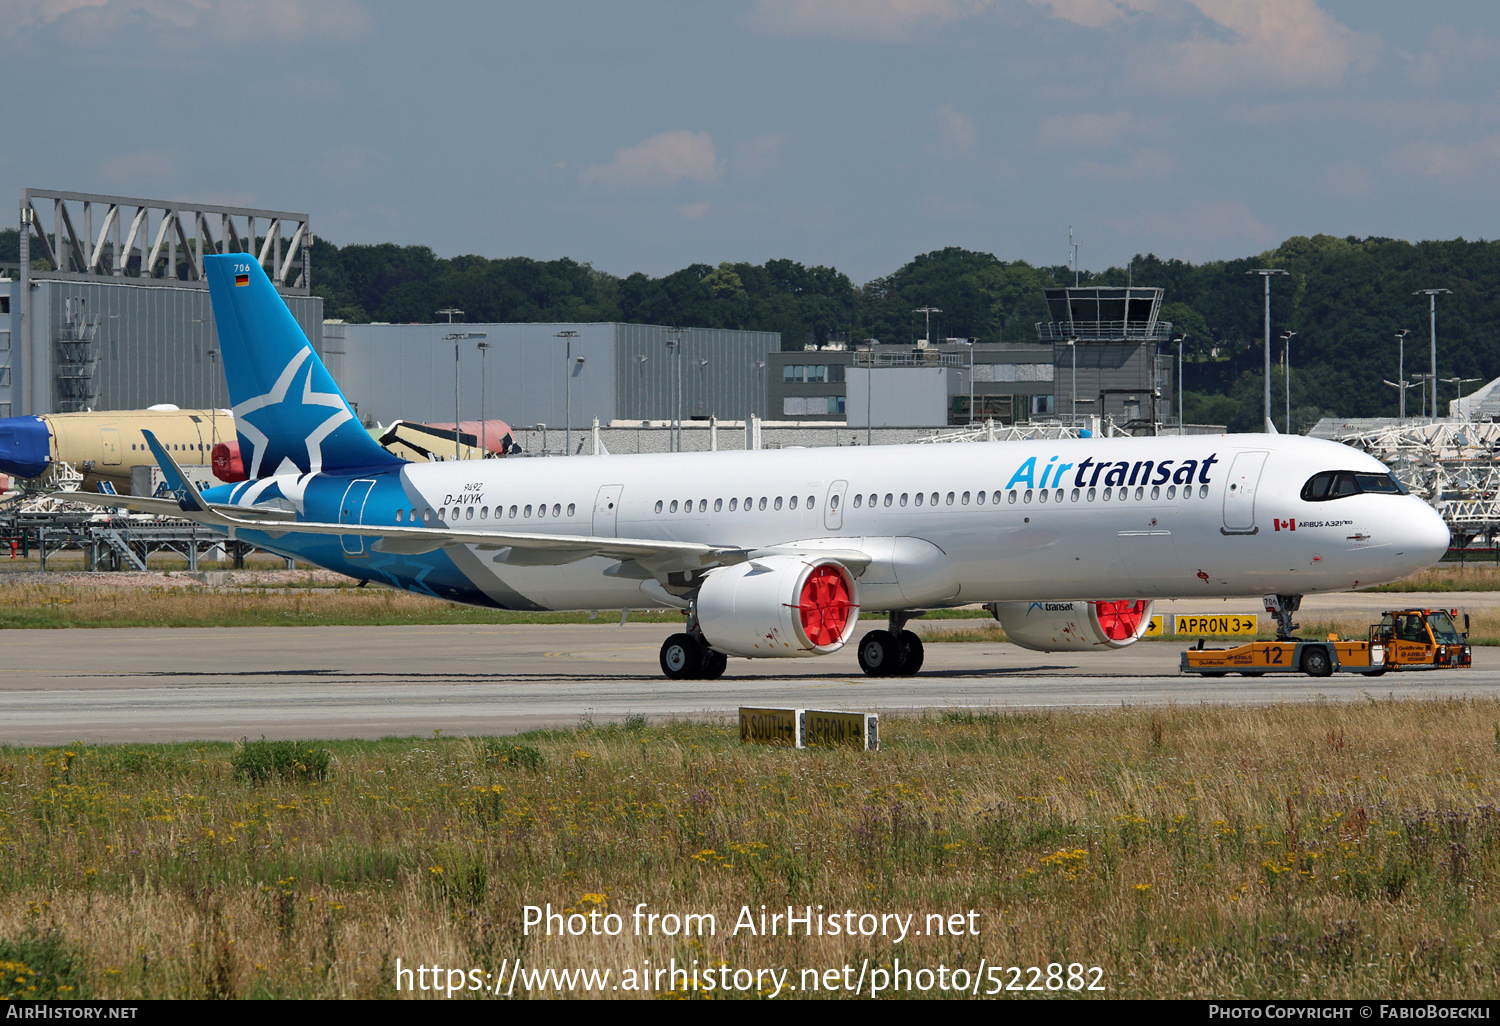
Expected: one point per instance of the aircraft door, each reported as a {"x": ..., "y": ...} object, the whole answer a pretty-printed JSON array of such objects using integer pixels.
[
  {"x": 1239, "y": 493},
  {"x": 352, "y": 511},
  {"x": 607, "y": 511},
  {"x": 833, "y": 506},
  {"x": 110, "y": 439}
]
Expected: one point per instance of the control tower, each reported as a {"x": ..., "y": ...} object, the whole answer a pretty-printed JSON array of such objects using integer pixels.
[{"x": 1112, "y": 336}]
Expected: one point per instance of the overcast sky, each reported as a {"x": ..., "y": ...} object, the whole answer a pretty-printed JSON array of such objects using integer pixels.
[{"x": 858, "y": 133}]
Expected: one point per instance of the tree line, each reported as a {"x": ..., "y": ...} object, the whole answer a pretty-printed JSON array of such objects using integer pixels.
[{"x": 1343, "y": 298}]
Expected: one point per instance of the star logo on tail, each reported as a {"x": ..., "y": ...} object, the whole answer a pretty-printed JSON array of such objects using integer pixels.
[{"x": 286, "y": 426}]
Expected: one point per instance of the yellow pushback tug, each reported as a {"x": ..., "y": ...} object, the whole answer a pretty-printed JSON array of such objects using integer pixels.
[{"x": 1404, "y": 639}]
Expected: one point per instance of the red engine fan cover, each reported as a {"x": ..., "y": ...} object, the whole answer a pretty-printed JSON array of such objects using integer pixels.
[
  {"x": 825, "y": 605},
  {"x": 1121, "y": 620},
  {"x": 228, "y": 465}
]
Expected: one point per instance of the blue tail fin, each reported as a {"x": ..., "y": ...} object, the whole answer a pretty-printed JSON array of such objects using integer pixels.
[{"x": 290, "y": 415}]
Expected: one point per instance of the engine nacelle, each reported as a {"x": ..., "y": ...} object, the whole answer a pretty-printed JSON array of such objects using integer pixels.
[
  {"x": 777, "y": 607},
  {"x": 1074, "y": 626}
]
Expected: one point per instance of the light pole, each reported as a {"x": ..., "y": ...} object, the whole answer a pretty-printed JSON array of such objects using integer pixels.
[
  {"x": 1286, "y": 374},
  {"x": 1460, "y": 382},
  {"x": 568, "y": 390},
  {"x": 484, "y": 430},
  {"x": 1073, "y": 388},
  {"x": 450, "y": 311},
  {"x": 1401, "y": 386},
  {"x": 1265, "y": 273},
  {"x": 675, "y": 344},
  {"x": 1432, "y": 295},
  {"x": 213, "y": 407},
  {"x": 1416, "y": 376},
  {"x": 929, "y": 311},
  {"x": 1180, "y": 340},
  {"x": 456, "y": 337},
  {"x": 1401, "y": 368}
]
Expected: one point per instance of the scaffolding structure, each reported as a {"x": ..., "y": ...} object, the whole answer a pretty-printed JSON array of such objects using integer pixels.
[{"x": 1453, "y": 464}]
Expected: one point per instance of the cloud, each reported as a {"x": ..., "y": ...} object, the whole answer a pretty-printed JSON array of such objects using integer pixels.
[
  {"x": 1091, "y": 131},
  {"x": 1094, "y": 13},
  {"x": 1144, "y": 165},
  {"x": 761, "y": 155},
  {"x": 693, "y": 211},
  {"x": 1348, "y": 179},
  {"x": 955, "y": 130},
  {"x": 1284, "y": 44},
  {"x": 663, "y": 159},
  {"x": 1448, "y": 162},
  {"x": 1207, "y": 221},
  {"x": 99, "y": 21},
  {"x": 859, "y": 19},
  {"x": 1451, "y": 53},
  {"x": 145, "y": 166}
]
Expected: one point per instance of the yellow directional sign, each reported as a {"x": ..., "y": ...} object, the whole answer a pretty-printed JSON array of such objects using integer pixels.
[
  {"x": 1231, "y": 623},
  {"x": 771, "y": 727},
  {"x": 832, "y": 729},
  {"x": 1155, "y": 630}
]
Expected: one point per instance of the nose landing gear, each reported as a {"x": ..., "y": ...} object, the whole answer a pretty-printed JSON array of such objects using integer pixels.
[{"x": 1282, "y": 607}]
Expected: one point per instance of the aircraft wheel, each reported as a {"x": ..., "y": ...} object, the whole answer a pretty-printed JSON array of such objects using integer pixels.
[
  {"x": 714, "y": 665},
  {"x": 682, "y": 657},
  {"x": 1315, "y": 662},
  {"x": 911, "y": 661},
  {"x": 879, "y": 655}
]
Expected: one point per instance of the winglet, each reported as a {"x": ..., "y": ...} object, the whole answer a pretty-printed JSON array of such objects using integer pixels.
[{"x": 177, "y": 482}]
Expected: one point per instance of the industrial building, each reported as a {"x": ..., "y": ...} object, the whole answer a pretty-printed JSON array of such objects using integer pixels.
[
  {"x": 1098, "y": 358},
  {"x": 120, "y": 318},
  {"x": 530, "y": 374}
]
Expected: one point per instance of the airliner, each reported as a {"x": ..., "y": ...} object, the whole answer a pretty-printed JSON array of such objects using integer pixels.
[{"x": 778, "y": 553}]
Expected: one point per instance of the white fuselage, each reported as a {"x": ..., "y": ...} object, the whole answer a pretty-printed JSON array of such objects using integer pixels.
[{"x": 1204, "y": 516}]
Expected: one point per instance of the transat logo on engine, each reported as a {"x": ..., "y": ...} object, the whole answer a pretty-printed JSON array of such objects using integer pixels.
[{"x": 1087, "y": 473}]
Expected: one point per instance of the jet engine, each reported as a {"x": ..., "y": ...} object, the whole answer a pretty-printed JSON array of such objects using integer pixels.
[
  {"x": 1073, "y": 626},
  {"x": 777, "y": 607}
]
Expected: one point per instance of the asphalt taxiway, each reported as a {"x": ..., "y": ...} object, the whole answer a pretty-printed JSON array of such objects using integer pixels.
[{"x": 160, "y": 684}]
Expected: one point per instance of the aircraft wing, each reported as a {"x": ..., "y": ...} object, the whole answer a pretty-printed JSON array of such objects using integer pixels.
[{"x": 171, "y": 507}]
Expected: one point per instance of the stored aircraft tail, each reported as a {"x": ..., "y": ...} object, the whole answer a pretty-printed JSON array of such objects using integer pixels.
[{"x": 290, "y": 416}]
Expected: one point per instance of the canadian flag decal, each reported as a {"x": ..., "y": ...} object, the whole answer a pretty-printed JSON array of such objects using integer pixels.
[{"x": 1290, "y": 525}]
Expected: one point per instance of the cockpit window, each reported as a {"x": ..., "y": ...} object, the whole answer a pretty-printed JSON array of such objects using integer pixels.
[{"x": 1336, "y": 484}]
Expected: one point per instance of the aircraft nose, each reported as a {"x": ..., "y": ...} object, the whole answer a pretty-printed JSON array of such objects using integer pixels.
[
  {"x": 1426, "y": 535},
  {"x": 25, "y": 447}
]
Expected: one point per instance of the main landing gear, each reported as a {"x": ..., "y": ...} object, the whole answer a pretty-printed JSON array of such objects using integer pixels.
[
  {"x": 893, "y": 652},
  {"x": 688, "y": 657}
]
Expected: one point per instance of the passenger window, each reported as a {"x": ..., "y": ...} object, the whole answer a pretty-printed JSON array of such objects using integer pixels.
[
  {"x": 1203, "y": 491},
  {"x": 762, "y": 502},
  {"x": 1108, "y": 494},
  {"x": 1041, "y": 495},
  {"x": 718, "y": 505},
  {"x": 996, "y": 498},
  {"x": 571, "y": 508},
  {"x": 441, "y": 511},
  {"x": 1027, "y": 496},
  {"x": 484, "y": 512},
  {"x": 702, "y": 505},
  {"x": 919, "y": 498},
  {"x": 469, "y": 513},
  {"x": 541, "y": 510},
  {"x": 658, "y": 505},
  {"x": 557, "y": 509},
  {"x": 1091, "y": 495},
  {"x": 673, "y": 507},
  {"x": 1155, "y": 492},
  {"x": 1012, "y": 496},
  {"x": 857, "y": 502},
  {"x": 1140, "y": 493},
  {"x": 793, "y": 502},
  {"x": 1171, "y": 491},
  {"x": 513, "y": 512},
  {"x": 734, "y": 504},
  {"x": 964, "y": 501},
  {"x": 810, "y": 502},
  {"x": 888, "y": 498},
  {"x": 903, "y": 498},
  {"x": 528, "y": 511},
  {"x": 778, "y": 502},
  {"x": 1074, "y": 496},
  {"x": 979, "y": 498},
  {"x": 399, "y": 514},
  {"x": 950, "y": 498}
]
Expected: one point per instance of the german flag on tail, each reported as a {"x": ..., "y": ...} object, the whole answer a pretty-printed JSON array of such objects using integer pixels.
[{"x": 241, "y": 279}]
